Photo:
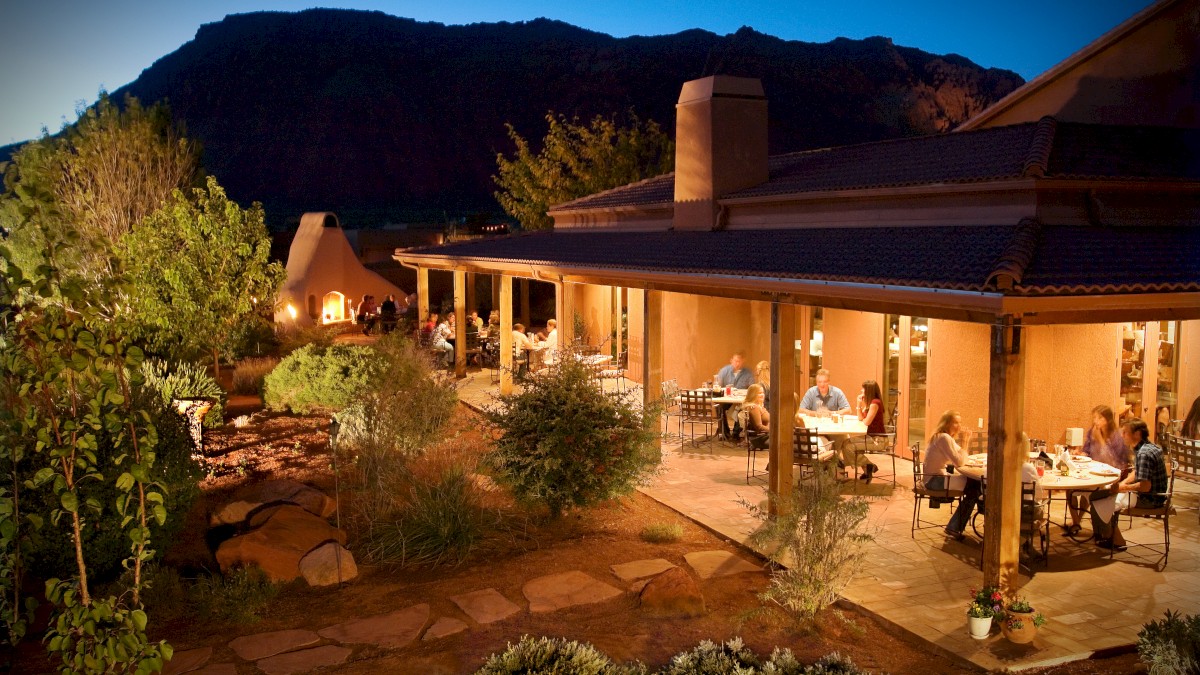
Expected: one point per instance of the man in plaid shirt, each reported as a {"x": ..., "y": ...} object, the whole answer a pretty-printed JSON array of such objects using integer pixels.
[{"x": 1148, "y": 480}]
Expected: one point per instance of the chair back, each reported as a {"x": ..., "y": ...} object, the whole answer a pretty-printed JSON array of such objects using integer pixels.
[
  {"x": 918, "y": 468},
  {"x": 697, "y": 403},
  {"x": 1185, "y": 452},
  {"x": 623, "y": 360},
  {"x": 806, "y": 446},
  {"x": 978, "y": 444}
]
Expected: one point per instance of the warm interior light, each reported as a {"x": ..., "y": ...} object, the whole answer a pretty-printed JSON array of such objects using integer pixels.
[{"x": 291, "y": 311}]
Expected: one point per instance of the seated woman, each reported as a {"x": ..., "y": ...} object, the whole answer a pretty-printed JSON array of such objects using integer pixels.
[
  {"x": 941, "y": 458},
  {"x": 1103, "y": 444},
  {"x": 1191, "y": 423},
  {"x": 870, "y": 411},
  {"x": 762, "y": 372},
  {"x": 758, "y": 420}
]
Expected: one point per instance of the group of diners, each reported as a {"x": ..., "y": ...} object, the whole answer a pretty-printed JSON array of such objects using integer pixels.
[
  {"x": 1142, "y": 482},
  {"x": 385, "y": 315},
  {"x": 821, "y": 400},
  {"x": 439, "y": 335}
]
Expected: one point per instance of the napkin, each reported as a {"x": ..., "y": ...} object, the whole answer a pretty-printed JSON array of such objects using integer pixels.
[{"x": 1064, "y": 459}]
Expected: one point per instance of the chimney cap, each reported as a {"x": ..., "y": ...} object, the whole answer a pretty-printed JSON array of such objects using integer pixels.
[{"x": 716, "y": 86}]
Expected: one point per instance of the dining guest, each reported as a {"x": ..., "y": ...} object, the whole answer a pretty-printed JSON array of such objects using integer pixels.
[
  {"x": 762, "y": 373},
  {"x": 943, "y": 456},
  {"x": 824, "y": 398},
  {"x": 388, "y": 313},
  {"x": 758, "y": 420},
  {"x": 1103, "y": 443},
  {"x": 435, "y": 334},
  {"x": 1191, "y": 423},
  {"x": 1148, "y": 481},
  {"x": 733, "y": 374},
  {"x": 522, "y": 345},
  {"x": 551, "y": 342},
  {"x": 870, "y": 411}
]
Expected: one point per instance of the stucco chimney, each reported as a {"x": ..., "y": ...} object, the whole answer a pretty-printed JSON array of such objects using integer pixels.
[{"x": 720, "y": 145}]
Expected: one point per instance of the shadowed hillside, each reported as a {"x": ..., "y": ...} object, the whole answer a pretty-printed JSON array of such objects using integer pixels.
[{"x": 382, "y": 118}]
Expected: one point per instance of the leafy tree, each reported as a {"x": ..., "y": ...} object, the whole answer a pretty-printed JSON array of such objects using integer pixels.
[
  {"x": 577, "y": 160},
  {"x": 68, "y": 377},
  {"x": 107, "y": 171},
  {"x": 199, "y": 266}
]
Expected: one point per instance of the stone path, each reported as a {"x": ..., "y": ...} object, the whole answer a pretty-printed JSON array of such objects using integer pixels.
[{"x": 290, "y": 652}]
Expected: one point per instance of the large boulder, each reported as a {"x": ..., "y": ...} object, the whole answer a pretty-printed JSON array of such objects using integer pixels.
[
  {"x": 276, "y": 491},
  {"x": 278, "y": 546},
  {"x": 672, "y": 593},
  {"x": 328, "y": 564}
]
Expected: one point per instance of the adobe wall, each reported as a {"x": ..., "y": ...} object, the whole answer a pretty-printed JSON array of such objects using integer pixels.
[
  {"x": 1069, "y": 370},
  {"x": 958, "y": 373},
  {"x": 853, "y": 349}
]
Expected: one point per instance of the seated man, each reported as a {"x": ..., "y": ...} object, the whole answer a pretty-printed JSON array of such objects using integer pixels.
[
  {"x": 735, "y": 375},
  {"x": 824, "y": 398},
  {"x": 551, "y": 343},
  {"x": 1148, "y": 480}
]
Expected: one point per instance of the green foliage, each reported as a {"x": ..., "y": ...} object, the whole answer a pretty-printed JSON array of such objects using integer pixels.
[
  {"x": 254, "y": 335},
  {"x": 816, "y": 541},
  {"x": 562, "y": 442},
  {"x": 315, "y": 379},
  {"x": 318, "y": 335},
  {"x": 101, "y": 636},
  {"x": 550, "y": 656},
  {"x": 103, "y": 174},
  {"x": 69, "y": 420},
  {"x": 577, "y": 160},
  {"x": 1171, "y": 646},
  {"x": 185, "y": 380},
  {"x": 200, "y": 267},
  {"x": 439, "y": 522},
  {"x": 250, "y": 373},
  {"x": 662, "y": 533},
  {"x": 237, "y": 597}
]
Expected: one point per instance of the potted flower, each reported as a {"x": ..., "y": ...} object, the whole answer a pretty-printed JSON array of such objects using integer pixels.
[
  {"x": 1021, "y": 622},
  {"x": 985, "y": 604}
]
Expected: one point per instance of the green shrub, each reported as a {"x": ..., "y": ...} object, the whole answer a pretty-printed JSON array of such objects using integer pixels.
[
  {"x": 319, "y": 336},
  {"x": 104, "y": 545},
  {"x": 1171, "y": 646},
  {"x": 185, "y": 380},
  {"x": 254, "y": 335},
  {"x": 314, "y": 379},
  {"x": 237, "y": 597},
  {"x": 164, "y": 593},
  {"x": 709, "y": 658},
  {"x": 816, "y": 542},
  {"x": 553, "y": 656},
  {"x": 662, "y": 533},
  {"x": 440, "y": 523},
  {"x": 562, "y": 442},
  {"x": 250, "y": 372}
]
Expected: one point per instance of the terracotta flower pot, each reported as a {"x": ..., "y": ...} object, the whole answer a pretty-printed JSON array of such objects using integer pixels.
[
  {"x": 1025, "y": 633},
  {"x": 979, "y": 627}
]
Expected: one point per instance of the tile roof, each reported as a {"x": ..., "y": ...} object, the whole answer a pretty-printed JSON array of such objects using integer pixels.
[
  {"x": 1045, "y": 260},
  {"x": 1046, "y": 148}
]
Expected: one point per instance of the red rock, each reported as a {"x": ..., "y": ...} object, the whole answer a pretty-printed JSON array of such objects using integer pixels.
[
  {"x": 672, "y": 593},
  {"x": 275, "y": 491},
  {"x": 278, "y": 546}
]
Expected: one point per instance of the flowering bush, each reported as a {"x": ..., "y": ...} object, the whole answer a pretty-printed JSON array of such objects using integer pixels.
[
  {"x": 985, "y": 603},
  {"x": 1020, "y": 605}
]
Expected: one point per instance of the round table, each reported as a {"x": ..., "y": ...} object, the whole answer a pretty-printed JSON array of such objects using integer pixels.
[{"x": 1089, "y": 476}]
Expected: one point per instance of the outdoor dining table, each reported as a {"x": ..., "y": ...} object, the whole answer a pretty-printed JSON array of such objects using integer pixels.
[
  {"x": 1088, "y": 474},
  {"x": 845, "y": 426}
]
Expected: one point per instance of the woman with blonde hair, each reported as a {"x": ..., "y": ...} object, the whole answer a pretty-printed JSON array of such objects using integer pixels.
[
  {"x": 758, "y": 420},
  {"x": 762, "y": 372},
  {"x": 942, "y": 457}
]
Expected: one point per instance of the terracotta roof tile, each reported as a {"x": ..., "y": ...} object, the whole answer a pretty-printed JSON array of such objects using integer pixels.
[
  {"x": 1047, "y": 148},
  {"x": 1044, "y": 260}
]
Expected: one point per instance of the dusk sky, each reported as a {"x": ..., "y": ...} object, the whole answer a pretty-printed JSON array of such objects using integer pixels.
[{"x": 57, "y": 54}]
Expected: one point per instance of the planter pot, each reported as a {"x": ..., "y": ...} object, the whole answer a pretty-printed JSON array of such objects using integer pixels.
[
  {"x": 1025, "y": 633},
  {"x": 980, "y": 627}
]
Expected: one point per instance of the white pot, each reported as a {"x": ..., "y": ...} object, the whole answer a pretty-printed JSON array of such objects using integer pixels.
[{"x": 980, "y": 627}]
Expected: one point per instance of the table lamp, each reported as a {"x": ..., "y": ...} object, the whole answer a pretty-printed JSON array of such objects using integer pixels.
[{"x": 1074, "y": 437}]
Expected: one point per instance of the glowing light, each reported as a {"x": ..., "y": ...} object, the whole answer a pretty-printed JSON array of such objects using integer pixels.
[{"x": 291, "y": 311}]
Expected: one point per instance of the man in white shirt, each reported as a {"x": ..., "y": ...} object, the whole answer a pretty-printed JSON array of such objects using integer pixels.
[{"x": 551, "y": 343}]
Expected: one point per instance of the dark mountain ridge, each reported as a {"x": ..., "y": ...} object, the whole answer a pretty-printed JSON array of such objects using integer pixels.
[{"x": 383, "y": 118}]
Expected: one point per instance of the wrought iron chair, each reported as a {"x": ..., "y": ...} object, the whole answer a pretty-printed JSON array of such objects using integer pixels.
[
  {"x": 671, "y": 405},
  {"x": 617, "y": 373},
  {"x": 1162, "y": 513},
  {"x": 754, "y": 445},
  {"x": 922, "y": 493},
  {"x": 697, "y": 407},
  {"x": 877, "y": 444},
  {"x": 807, "y": 452},
  {"x": 1186, "y": 454}
]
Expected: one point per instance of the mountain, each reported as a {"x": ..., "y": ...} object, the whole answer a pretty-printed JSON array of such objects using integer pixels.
[{"x": 383, "y": 118}]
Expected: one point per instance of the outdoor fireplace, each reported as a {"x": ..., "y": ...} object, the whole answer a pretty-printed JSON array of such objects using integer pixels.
[{"x": 333, "y": 307}]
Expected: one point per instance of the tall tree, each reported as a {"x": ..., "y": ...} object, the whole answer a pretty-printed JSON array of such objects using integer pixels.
[
  {"x": 199, "y": 266},
  {"x": 107, "y": 171},
  {"x": 577, "y": 160}
]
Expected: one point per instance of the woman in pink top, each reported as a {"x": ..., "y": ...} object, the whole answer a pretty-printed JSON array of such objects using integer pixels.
[{"x": 943, "y": 456}]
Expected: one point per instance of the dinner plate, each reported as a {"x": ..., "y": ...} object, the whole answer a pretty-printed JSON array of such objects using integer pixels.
[
  {"x": 1084, "y": 459},
  {"x": 1106, "y": 473}
]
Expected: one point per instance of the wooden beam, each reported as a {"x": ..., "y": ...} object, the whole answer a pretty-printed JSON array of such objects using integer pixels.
[
  {"x": 564, "y": 308},
  {"x": 506, "y": 335},
  {"x": 422, "y": 293},
  {"x": 618, "y": 306},
  {"x": 1006, "y": 404},
  {"x": 903, "y": 380},
  {"x": 525, "y": 303},
  {"x": 652, "y": 346},
  {"x": 460, "y": 324},
  {"x": 783, "y": 403}
]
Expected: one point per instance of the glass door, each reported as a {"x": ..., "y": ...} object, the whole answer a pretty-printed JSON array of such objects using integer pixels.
[
  {"x": 918, "y": 347},
  {"x": 1133, "y": 347},
  {"x": 891, "y": 367},
  {"x": 1166, "y": 399},
  {"x": 816, "y": 342}
]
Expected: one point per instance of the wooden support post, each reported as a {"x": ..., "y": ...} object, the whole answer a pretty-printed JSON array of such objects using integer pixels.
[
  {"x": 525, "y": 304},
  {"x": 460, "y": 324},
  {"x": 903, "y": 378},
  {"x": 652, "y": 347},
  {"x": 564, "y": 307},
  {"x": 617, "y": 313},
  {"x": 422, "y": 293},
  {"x": 783, "y": 403},
  {"x": 1006, "y": 404},
  {"x": 506, "y": 335}
]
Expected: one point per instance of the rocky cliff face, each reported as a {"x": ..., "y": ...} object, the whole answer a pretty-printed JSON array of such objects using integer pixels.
[{"x": 379, "y": 118}]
